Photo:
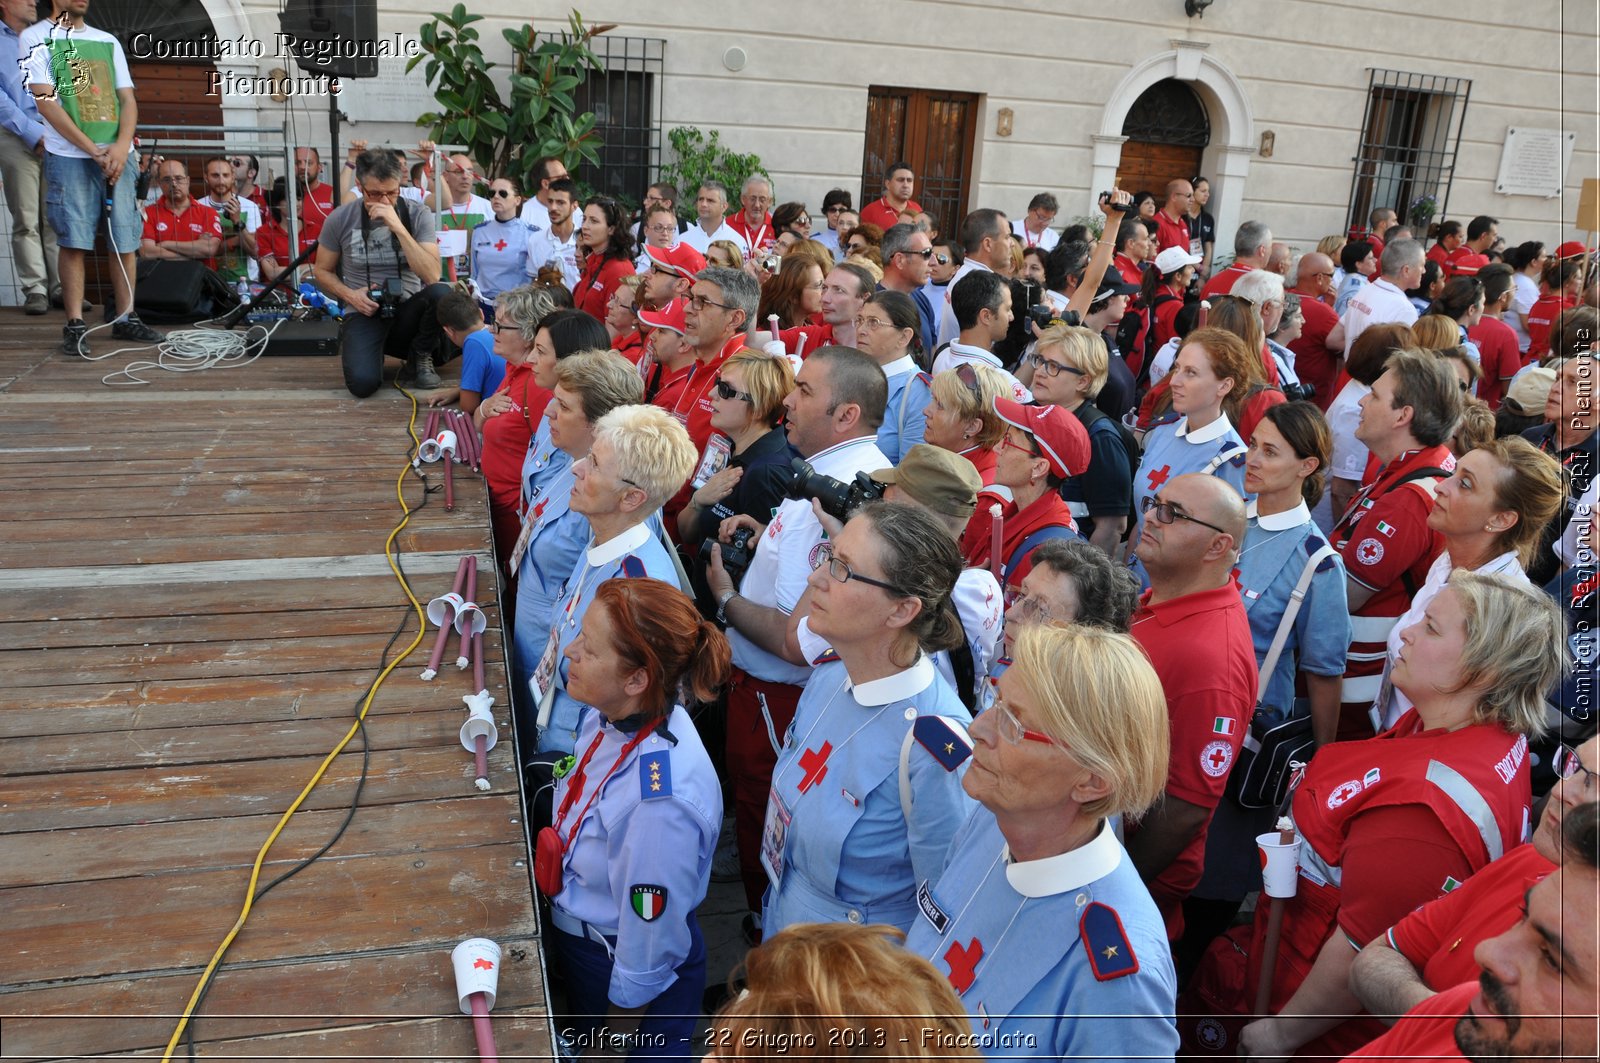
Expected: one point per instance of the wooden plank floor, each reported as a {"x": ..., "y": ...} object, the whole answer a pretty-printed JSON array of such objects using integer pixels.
[{"x": 193, "y": 601}]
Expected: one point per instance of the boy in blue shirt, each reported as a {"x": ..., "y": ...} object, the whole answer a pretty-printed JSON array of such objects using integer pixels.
[{"x": 461, "y": 319}]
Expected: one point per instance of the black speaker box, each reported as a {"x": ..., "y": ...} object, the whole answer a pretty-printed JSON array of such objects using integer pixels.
[
  {"x": 336, "y": 38},
  {"x": 304, "y": 338}
]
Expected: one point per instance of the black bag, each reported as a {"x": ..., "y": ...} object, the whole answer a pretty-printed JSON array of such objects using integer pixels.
[
  {"x": 172, "y": 290},
  {"x": 1261, "y": 777}
]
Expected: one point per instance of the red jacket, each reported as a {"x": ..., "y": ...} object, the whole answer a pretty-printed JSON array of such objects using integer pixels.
[{"x": 599, "y": 279}]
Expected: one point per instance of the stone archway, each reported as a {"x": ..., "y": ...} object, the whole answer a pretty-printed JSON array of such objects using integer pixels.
[{"x": 1226, "y": 160}]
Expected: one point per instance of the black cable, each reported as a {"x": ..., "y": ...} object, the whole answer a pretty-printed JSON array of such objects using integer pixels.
[{"x": 361, "y": 780}]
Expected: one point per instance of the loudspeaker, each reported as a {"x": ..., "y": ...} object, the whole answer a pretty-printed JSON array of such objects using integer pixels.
[{"x": 336, "y": 38}]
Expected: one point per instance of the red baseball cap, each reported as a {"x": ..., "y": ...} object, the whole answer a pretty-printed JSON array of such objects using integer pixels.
[
  {"x": 680, "y": 258},
  {"x": 669, "y": 317},
  {"x": 1570, "y": 249},
  {"x": 1060, "y": 435}
]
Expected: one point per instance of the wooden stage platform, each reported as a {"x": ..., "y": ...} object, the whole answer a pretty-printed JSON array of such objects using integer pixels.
[{"x": 193, "y": 599}]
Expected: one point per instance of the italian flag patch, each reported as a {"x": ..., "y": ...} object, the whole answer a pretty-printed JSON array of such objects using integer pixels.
[
  {"x": 648, "y": 901},
  {"x": 1224, "y": 725},
  {"x": 1386, "y": 529}
]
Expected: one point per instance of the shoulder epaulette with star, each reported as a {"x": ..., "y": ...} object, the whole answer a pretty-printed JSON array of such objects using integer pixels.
[
  {"x": 655, "y": 775},
  {"x": 944, "y": 738},
  {"x": 827, "y": 656},
  {"x": 1106, "y": 942},
  {"x": 633, "y": 568}
]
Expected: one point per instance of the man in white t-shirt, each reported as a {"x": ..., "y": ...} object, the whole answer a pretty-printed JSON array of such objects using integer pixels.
[
  {"x": 985, "y": 236},
  {"x": 546, "y": 172},
  {"x": 240, "y": 219},
  {"x": 1384, "y": 300},
  {"x": 557, "y": 245},
  {"x": 1033, "y": 228},
  {"x": 711, "y": 206}
]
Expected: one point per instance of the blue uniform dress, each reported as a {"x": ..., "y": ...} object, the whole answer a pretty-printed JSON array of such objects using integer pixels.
[
  {"x": 636, "y": 870},
  {"x": 903, "y": 421},
  {"x": 1275, "y": 552},
  {"x": 500, "y": 256},
  {"x": 633, "y": 553},
  {"x": 556, "y": 537},
  {"x": 837, "y": 846},
  {"x": 1060, "y": 958},
  {"x": 1171, "y": 450}
]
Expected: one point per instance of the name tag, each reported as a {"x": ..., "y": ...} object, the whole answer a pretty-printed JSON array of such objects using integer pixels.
[
  {"x": 773, "y": 835},
  {"x": 930, "y": 908}
]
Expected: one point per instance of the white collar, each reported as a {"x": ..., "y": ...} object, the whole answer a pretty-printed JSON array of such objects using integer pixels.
[
  {"x": 622, "y": 543},
  {"x": 1387, "y": 283},
  {"x": 830, "y": 454},
  {"x": 1211, "y": 432},
  {"x": 1066, "y": 871},
  {"x": 1506, "y": 563},
  {"x": 1289, "y": 518},
  {"x": 905, "y": 364},
  {"x": 906, "y": 684},
  {"x": 966, "y": 350}
]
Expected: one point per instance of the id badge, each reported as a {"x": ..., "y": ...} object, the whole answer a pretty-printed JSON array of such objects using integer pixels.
[
  {"x": 773, "y": 835},
  {"x": 523, "y": 539},
  {"x": 715, "y": 459},
  {"x": 544, "y": 675}
]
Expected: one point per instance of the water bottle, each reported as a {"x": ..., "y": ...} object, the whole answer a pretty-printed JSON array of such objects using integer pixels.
[{"x": 243, "y": 288}]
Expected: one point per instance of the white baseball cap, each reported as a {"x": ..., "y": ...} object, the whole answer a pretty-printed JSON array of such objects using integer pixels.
[{"x": 1173, "y": 259}]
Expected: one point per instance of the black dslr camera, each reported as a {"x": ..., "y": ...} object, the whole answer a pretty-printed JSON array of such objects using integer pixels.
[
  {"x": 838, "y": 499},
  {"x": 736, "y": 554},
  {"x": 1041, "y": 314},
  {"x": 1299, "y": 392},
  {"x": 388, "y": 296}
]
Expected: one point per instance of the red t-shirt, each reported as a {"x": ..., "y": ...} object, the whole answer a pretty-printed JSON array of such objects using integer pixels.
[
  {"x": 1440, "y": 937},
  {"x": 506, "y": 436},
  {"x": 1541, "y": 318},
  {"x": 599, "y": 279},
  {"x": 194, "y": 222},
  {"x": 819, "y": 335},
  {"x": 630, "y": 346},
  {"x": 1438, "y": 254},
  {"x": 883, "y": 215},
  {"x": 273, "y": 239},
  {"x": 1427, "y": 1033},
  {"x": 1313, "y": 362},
  {"x": 315, "y": 206},
  {"x": 1222, "y": 283},
  {"x": 1497, "y": 344},
  {"x": 670, "y": 387},
  {"x": 692, "y": 407},
  {"x": 758, "y": 238},
  {"x": 1171, "y": 233},
  {"x": 1200, "y": 647},
  {"x": 1131, "y": 273}
]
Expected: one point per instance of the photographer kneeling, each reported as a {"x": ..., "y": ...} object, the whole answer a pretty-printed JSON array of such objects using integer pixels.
[{"x": 377, "y": 256}]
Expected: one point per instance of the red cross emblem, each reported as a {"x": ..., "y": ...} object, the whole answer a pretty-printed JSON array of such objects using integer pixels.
[
  {"x": 963, "y": 961},
  {"x": 1218, "y": 758},
  {"x": 815, "y": 764},
  {"x": 500, "y": 245},
  {"x": 1159, "y": 477},
  {"x": 538, "y": 510},
  {"x": 481, "y": 964}
]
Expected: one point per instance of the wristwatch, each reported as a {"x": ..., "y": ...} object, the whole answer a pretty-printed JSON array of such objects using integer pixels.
[{"x": 722, "y": 605}]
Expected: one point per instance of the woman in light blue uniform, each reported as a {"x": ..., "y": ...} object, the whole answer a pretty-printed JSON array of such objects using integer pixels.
[
  {"x": 627, "y": 858},
  {"x": 1289, "y": 455},
  {"x": 1041, "y": 923},
  {"x": 638, "y": 459},
  {"x": 866, "y": 794},
  {"x": 500, "y": 246},
  {"x": 888, "y": 328},
  {"x": 589, "y": 385}
]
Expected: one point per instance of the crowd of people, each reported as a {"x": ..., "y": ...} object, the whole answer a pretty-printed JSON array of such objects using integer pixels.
[{"x": 1004, "y": 587}]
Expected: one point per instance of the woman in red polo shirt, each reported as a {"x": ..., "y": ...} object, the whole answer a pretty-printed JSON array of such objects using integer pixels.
[{"x": 606, "y": 251}]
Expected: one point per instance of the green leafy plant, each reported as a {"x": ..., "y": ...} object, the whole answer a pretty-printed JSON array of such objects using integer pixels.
[
  {"x": 505, "y": 137},
  {"x": 701, "y": 157}
]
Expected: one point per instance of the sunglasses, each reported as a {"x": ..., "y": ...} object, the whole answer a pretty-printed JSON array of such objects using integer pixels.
[
  {"x": 943, "y": 260},
  {"x": 725, "y": 390},
  {"x": 925, "y": 254},
  {"x": 501, "y": 193},
  {"x": 969, "y": 378}
]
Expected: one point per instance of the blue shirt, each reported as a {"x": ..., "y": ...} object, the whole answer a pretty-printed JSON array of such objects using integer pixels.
[
  {"x": 837, "y": 845},
  {"x": 1275, "y": 551},
  {"x": 903, "y": 420},
  {"x": 635, "y": 552},
  {"x": 1172, "y": 450},
  {"x": 500, "y": 255},
  {"x": 555, "y": 542},
  {"x": 481, "y": 369},
  {"x": 1033, "y": 990},
  {"x": 19, "y": 115},
  {"x": 640, "y": 862}
]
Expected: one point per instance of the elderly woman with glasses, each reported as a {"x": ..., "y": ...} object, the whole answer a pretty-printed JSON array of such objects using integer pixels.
[
  {"x": 1040, "y": 917},
  {"x": 500, "y": 246},
  {"x": 866, "y": 793},
  {"x": 605, "y": 255},
  {"x": 960, "y": 418},
  {"x": 640, "y": 456},
  {"x": 622, "y": 319}
]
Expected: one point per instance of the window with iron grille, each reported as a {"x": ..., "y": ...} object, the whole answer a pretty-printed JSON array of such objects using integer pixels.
[
  {"x": 1409, "y": 138},
  {"x": 625, "y": 97}
]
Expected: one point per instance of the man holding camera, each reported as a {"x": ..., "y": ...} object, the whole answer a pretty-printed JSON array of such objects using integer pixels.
[{"x": 377, "y": 255}]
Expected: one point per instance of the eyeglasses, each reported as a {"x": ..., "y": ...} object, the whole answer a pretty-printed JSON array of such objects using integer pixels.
[
  {"x": 1054, "y": 369},
  {"x": 589, "y": 457},
  {"x": 240, "y": 163},
  {"x": 1567, "y": 765},
  {"x": 1166, "y": 513},
  {"x": 173, "y": 178},
  {"x": 661, "y": 230},
  {"x": 943, "y": 260},
  {"x": 1006, "y": 441},
  {"x": 925, "y": 254},
  {"x": 1011, "y": 728},
  {"x": 700, "y": 302},
  {"x": 870, "y": 323},
  {"x": 500, "y": 326},
  {"x": 725, "y": 390},
  {"x": 854, "y": 248},
  {"x": 841, "y": 571},
  {"x": 371, "y": 193},
  {"x": 1030, "y": 609},
  {"x": 501, "y": 193},
  {"x": 804, "y": 223}
]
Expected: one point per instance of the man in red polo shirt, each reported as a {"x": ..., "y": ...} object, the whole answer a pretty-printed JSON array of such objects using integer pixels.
[
  {"x": 1315, "y": 362},
  {"x": 316, "y": 195},
  {"x": 754, "y": 222},
  {"x": 1172, "y": 220},
  {"x": 1380, "y": 221},
  {"x": 1469, "y": 258},
  {"x": 1252, "y": 246},
  {"x": 1384, "y": 538},
  {"x": 1193, "y": 625},
  {"x": 898, "y": 184},
  {"x": 668, "y": 358},
  {"x": 1536, "y": 995},
  {"x": 1132, "y": 249},
  {"x": 176, "y": 226}
]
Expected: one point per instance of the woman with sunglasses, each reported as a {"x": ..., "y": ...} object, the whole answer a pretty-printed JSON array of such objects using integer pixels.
[
  {"x": 622, "y": 319},
  {"x": 792, "y": 218},
  {"x": 866, "y": 793},
  {"x": 500, "y": 246},
  {"x": 746, "y": 464},
  {"x": 888, "y": 328},
  {"x": 605, "y": 255},
  {"x": 1040, "y": 917},
  {"x": 794, "y": 295},
  {"x": 1390, "y": 822}
]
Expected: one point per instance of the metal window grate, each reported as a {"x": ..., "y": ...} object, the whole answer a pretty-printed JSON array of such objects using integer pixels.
[
  {"x": 626, "y": 101},
  {"x": 1168, "y": 112},
  {"x": 1409, "y": 141}
]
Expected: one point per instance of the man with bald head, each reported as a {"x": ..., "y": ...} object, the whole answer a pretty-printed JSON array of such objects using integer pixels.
[
  {"x": 1192, "y": 624},
  {"x": 1314, "y": 360},
  {"x": 1172, "y": 220}
]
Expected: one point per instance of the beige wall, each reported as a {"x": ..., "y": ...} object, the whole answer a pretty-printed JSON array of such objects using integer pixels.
[{"x": 1299, "y": 65}]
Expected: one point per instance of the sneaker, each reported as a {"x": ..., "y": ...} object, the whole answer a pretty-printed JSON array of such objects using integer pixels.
[
  {"x": 35, "y": 304},
  {"x": 131, "y": 328},
  {"x": 74, "y": 337},
  {"x": 422, "y": 372}
]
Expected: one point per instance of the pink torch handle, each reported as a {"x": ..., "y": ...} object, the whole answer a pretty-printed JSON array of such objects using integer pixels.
[
  {"x": 472, "y": 594},
  {"x": 449, "y": 488},
  {"x": 996, "y": 527},
  {"x": 480, "y": 752},
  {"x": 477, "y": 662},
  {"x": 487, "y": 1052},
  {"x": 433, "y": 423},
  {"x": 462, "y": 568}
]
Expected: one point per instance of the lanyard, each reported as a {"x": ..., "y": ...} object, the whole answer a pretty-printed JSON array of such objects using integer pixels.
[{"x": 578, "y": 779}]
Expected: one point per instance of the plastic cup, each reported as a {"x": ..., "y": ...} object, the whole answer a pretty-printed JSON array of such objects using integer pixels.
[
  {"x": 477, "y": 968},
  {"x": 1280, "y": 864}
]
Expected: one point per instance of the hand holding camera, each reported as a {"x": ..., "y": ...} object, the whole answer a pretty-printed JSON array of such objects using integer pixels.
[{"x": 1115, "y": 202}]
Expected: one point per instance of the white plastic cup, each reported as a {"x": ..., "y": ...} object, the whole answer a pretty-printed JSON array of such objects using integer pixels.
[
  {"x": 1280, "y": 864},
  {"x": 468, "y": 613},
  {"x": 480, "y": 721},
  {"x": 443, "y": 610},
  {"x": 477, "y": 967},
  {"x": 436, "y": 447}
]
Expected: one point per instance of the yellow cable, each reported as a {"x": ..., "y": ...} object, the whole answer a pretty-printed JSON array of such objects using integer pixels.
[{"x": 283, "y": 821}]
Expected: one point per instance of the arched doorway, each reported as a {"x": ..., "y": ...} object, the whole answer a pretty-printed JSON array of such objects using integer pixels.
[{"x": 1167, "y": 132}]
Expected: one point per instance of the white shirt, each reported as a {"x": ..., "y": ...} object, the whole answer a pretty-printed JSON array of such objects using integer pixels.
[
  {"x": 36, "y": 45},
  {"x": 957, "y": 353},
  {"x": 1344, "y": 414},
  {"x": 1046, "y": 240},
  {"x": 696, "y": 238},
  {"x": 1527, "y": 293},
  {"x": 948, "y": 329},
  {"x": 1376, "y": 303},
  {"x": 536, "y": 214},
  {"x": 545, "y": 247}
]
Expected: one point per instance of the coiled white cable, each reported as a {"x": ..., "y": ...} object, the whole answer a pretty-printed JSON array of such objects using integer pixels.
[{"x": 193, "y": 351}]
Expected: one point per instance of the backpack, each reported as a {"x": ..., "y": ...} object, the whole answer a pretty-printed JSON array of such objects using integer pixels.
[
  {"x": 1151, "y": 347},
  {"x": 1130, "y": 445}
]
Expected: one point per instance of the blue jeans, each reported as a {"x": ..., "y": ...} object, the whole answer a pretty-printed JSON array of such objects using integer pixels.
[
  {"x": 364, "y": 341},
  {"x": 671, "y": 1024},
  {"x": 75, "y": 199}
]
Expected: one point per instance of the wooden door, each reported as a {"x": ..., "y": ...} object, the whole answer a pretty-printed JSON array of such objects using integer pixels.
[
  {"x": 932, "y": 130},
  {"x": 1148, "y": 167}
]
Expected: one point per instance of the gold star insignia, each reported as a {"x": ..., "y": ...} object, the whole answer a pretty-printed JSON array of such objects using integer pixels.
[
  {"x": 655, "y": 786},
  {"x": 949, "y": 747},
  {"x": 655, "y": 765},
  {"x": 1110, "y": 952}
]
